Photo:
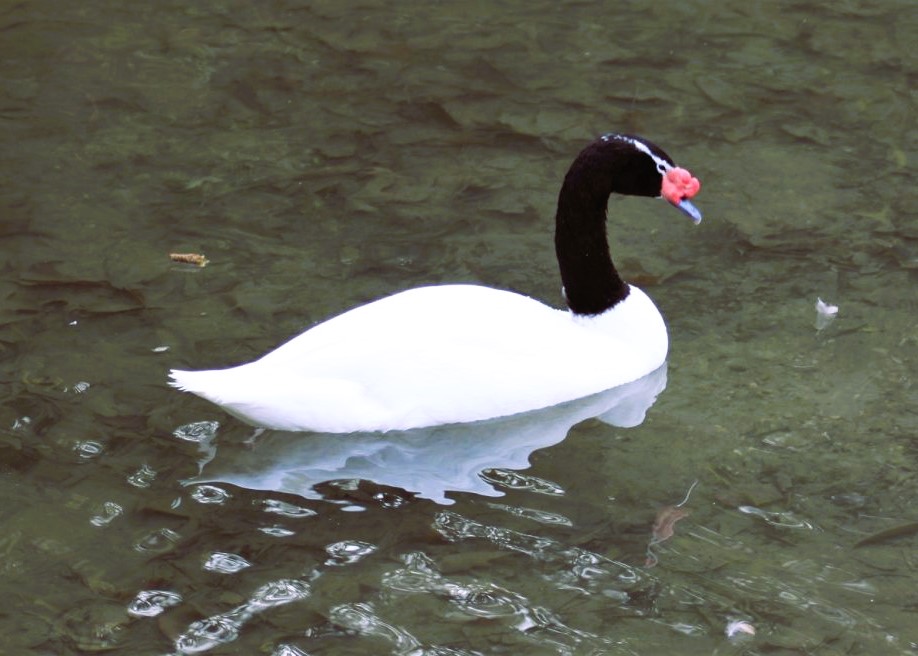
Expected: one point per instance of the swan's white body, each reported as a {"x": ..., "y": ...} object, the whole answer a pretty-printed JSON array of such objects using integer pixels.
[{"x": 437, "y": 355}]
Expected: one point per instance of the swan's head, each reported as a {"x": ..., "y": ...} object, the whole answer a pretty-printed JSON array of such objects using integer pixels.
[{"x": 647, "y": 170}]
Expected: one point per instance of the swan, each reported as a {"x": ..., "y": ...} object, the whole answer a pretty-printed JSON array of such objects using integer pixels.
[{"x": 460, "y": 353}]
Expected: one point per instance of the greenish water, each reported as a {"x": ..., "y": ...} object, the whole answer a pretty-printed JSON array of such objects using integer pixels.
[{"x": 325, "y": 154}]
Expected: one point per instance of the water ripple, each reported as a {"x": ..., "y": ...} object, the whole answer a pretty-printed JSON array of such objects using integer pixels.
[
  {"x": 199, "y": 431},
  {"x": 485, "y": 600},
  {"x": 93, "y": 626},
  {"x": 109, "y": 512},
  {"x": 454, "y": 528},
  {"x": 512, "y": 480},
  {"x": 347, "y": 552},
  {"x": 541, "y": 516},
  {"x": 779, "y": 519},
  {"x": 150, "y": 603},
  {"x": 88, "y": 449},
  {"x": 143, "y": 477},
  {"x": 420, "y": 561},
  {"x": 277, "y": 531},
  {"x": 210, "y": 494},
  {"x": 288, "y": 650},
  {"x": 287, "y": 509},
  {"x": 390, "y": 499},
  {"x": 225, "y": 563},
  {"x": 437, "y": 650},
  {"x": 159, "y": 541},
  {"x": 407, "y": 580},
  {"x": 362, "y": 619},
  {"x": 80, "y": 387},
  {"x": 204, "y": 635},
  {"x": 582, "y": 570},
  {"x": 278, "y": 593},
  {"x": 208, "y": 633}
]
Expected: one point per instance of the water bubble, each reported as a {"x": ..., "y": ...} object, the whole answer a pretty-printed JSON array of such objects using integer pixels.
[
  {"x": 225, "y": 563},
  {"x": 110, "y": 510},
  {"x": 150, "y": 603},
  {"x": 347, "y": 552},
  {"x": 210, "y": 494},
  {"x": 199, "y": 431}
]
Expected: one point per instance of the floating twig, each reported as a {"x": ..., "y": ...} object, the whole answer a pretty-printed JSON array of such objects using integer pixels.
[
  {"x": 664, "y": 526},
  {"x": 887, "y": 534},
  {"x": 189, "y": 258}
]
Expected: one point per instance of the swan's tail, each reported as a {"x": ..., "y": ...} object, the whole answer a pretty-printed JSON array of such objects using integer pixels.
[
  {"x": 183, "y": 380},
  {"x": 231, "y": 389},
  {"x": 289, "y": 402},
  {"x": 210, "y": 385}
]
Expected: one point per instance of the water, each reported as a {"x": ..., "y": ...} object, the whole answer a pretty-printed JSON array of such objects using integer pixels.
[{"x": 324, "y": 154}]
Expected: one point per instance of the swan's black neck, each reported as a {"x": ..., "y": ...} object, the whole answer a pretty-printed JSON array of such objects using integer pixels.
[{"x": 610, "y": 164}]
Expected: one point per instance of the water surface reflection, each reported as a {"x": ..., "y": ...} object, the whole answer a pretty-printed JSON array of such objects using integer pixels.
[{"x": 426, "y": 462}]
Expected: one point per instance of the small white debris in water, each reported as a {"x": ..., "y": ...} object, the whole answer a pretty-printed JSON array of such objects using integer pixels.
[
  {"x": 739, "y": 627},
  {"x": 824, "y": 309},
  {"x": 825, "y": 313},
  {"x": 159, "y": 349}
]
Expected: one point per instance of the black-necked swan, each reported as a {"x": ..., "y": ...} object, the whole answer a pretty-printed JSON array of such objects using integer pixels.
[{"x": 448, "y": 354}]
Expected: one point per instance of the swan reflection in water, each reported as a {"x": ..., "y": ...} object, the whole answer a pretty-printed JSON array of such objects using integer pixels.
[{"x": 428, "y": 462}]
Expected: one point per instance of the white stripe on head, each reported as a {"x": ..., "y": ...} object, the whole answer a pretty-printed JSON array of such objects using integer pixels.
[{"x": 662, "y": 165}]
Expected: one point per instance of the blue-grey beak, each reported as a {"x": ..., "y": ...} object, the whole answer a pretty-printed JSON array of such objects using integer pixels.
[{"x": 692, "y": 212}]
